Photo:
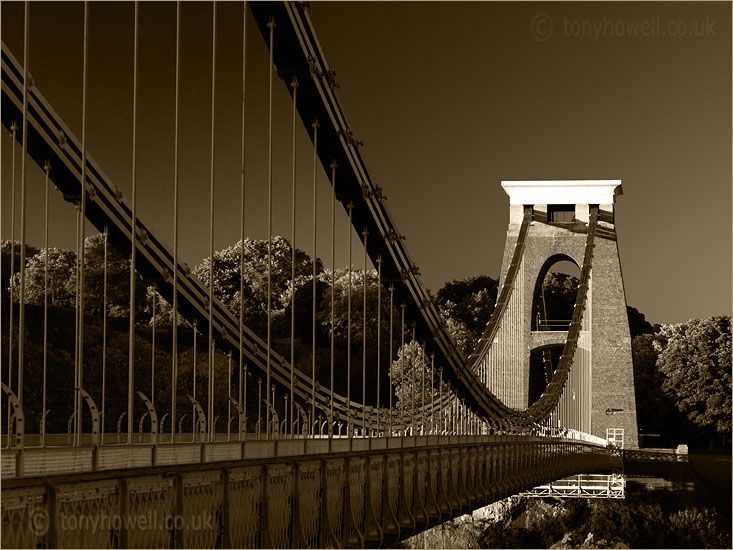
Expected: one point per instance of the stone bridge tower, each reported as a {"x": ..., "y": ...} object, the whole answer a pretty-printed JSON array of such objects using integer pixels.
[{"x": 601, "y": 385}]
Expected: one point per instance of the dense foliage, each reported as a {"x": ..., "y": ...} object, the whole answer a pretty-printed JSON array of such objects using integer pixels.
[
  {"x": 656, "y": 519},
  {"x": 466, "y": 306},
  {"x": 656, "y": 412},
  {"x": 682, "y": 372},
  {"x": 695, "y": 358}
]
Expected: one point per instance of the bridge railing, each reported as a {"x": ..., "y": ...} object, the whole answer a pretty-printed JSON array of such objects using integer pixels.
[
  {"x": 50, "y": 459},
  {"x": 558, "y": 325},
  {"x": 339, "y": 494},
  {"x": 60, "y": 460}
]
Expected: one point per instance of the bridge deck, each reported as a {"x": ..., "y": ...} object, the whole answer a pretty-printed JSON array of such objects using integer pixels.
[
  {"x": 345, "y": 493},
  {"x": 34, "y": 461}
]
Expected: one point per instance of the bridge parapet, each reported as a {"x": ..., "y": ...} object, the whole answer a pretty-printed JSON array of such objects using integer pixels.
[
  {"x": 351, "y": 498},
  {"x": 30, "y": 461}
]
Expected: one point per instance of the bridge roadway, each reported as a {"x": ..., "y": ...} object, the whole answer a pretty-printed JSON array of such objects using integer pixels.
[{"x": 287, "y": 493}]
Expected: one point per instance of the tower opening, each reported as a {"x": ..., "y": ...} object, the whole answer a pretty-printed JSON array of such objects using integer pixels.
[
  {"x": 555, "y": 293},
  {"x": 560, "y": 213},
  {"x": 542, "y": 364}
]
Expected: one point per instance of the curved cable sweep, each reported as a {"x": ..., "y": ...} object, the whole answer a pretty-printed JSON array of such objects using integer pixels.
[
  {"x": 541, "y": 408},
  {"x": 51, "y": 139}
]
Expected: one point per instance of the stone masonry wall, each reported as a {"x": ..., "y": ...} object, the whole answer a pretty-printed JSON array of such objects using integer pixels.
[{"x": 613, "y": 399}]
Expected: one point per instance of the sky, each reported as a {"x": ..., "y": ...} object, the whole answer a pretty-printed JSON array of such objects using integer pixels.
[{"x": 449, "y": 100}]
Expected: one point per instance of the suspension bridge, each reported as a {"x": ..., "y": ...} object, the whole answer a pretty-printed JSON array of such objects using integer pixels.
[{"x": 301, "y": 462}]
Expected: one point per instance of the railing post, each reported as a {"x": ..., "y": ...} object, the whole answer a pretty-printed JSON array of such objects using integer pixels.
[
  {"x": 298, "y": 536},
  {"x": 124, "y": 510},
  {"x": 403, "y": 508},
  {"x": 266, "y": 535},
  {"x": 488, "y": 472},
  {"x": 372, "y": 527},
  {"x": 52, "y": 536},
  {"x": 178, "y": 528},
  {"x": 464, "y": 494},
  {"x": 349, "y": 510},
  {"x": 95, "y": 458},
  {"x": 327, "y": 536},
  {"x": 388, "y": 513},
  {"x": 443, "y": 480},
  {"x": 19, "y": 462},
  {"x": 481, "y": 454},
  {"x": 504, "y": 469},
  {"x": 418, "y": 504},
  {"x": 226, "y": 510},
  {"x": 432, "y": 492}
]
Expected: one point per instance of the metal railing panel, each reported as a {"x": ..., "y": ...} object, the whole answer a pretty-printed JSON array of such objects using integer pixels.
[
  {"x": 128, "y": 456},
  {"x": 259, "y": 449},
  {"x": 58, "y": 460},
  {"x": 223, "y": 451},
  {"x": 179, "y": 453},
  {"x": 7, "y": 463}
]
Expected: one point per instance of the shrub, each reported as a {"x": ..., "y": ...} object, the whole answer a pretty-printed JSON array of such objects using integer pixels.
[
  {"x": 611, "y": 520},
  {"x": 698, "y": 528},
  {"x": 651, "y": 526},
  {"x": 500, "y": 536}
]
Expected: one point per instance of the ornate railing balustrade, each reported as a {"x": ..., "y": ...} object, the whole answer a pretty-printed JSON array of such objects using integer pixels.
[
  {"x": 35, "y": 461},
  {"x": 356, "y": 492}
]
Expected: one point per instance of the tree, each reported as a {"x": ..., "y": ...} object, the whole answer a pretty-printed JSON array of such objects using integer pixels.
[
  {"x": 695, "y": 359},
  {"x": 464, "y": 338},
  {"x": 409, "y": 372},
  {"x": 5, "y": 254},
  {"x": 61, "y": 278},
  {"x": 699, "y": 528},
  {"x": 559, "y": 291},
  {"x": 227, "y": 272},
  {"x": 638, "y": 324},
  {"x": 656, "y": 411},
  {"x": 341, "y": 308},
  {"x": 466, "y": 305},
  {"x": 410, "y": 376},
  {"x": 118, "y": 281},
  {"x": 341, "y": 322}
]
